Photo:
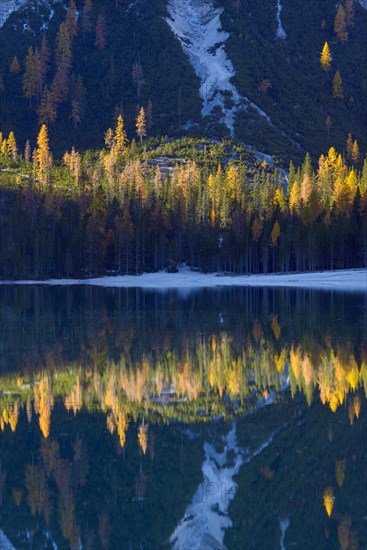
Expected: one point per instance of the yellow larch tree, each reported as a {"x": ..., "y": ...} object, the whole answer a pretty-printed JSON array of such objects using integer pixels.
[
  {"x": 141, "y": 127},
  {"x": 325, "y": 57},
  {"x": 43, "y": 158},
  {"x": 120, "y": 137}
]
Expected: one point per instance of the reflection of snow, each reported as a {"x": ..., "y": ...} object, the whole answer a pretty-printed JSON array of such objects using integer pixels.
[
  {"x": 197, "y": 25},
  {"x": 280, "y": 31},
  {"x": 284, "y": 524},
  {"x": 206, "y": 518},
  {"x": 5, "y": 543},
  {"x": 345, "y": 279}
]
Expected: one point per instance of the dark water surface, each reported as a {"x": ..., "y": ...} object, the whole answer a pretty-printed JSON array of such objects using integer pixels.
[{"x": 226, "y": 418}]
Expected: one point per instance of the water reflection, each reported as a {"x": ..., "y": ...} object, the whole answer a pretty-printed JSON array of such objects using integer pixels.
[{"x": 106, "y": 398}]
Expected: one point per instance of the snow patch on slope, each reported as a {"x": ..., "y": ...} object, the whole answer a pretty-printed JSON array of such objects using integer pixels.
[
  {"x": 197, "y": 25},
  {"x": 363, "y": 4},
  {"x": 280, "y": 31},
  {"x": 7, "y": 7}
]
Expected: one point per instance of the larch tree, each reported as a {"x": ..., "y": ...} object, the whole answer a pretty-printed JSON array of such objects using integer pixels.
[
  {"x": 43, "y": 158},
  {"x": 325, "y": 57},
  {"x": 141, "y": 127},
  {"x": 340, "y": 25},
  {"x": 12, "y": 146},
  {"x": 355, "y": 152},
  {"x": 120, "y": 137},
  {"x": 338, "y": 88}
]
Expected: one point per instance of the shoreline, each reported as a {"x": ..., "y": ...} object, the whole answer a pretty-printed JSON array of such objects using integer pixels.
[{"x": 348, "y": 279}]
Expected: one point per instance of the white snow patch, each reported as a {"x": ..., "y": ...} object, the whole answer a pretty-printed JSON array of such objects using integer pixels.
[
  {"x": 5, "y": 543},
  {"x": 197, "y": 25},
  {"x": 349, "y": 279},
  {"x": 363, "y": 4},
  {"x": 280, "y": 31},
  {"x": 283, "y": 524},
  {"x": 7, "y": 7}
]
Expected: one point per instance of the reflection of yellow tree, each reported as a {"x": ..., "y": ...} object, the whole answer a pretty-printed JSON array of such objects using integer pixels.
[
  {"x": 340, "y": 467},
  {"x": 329, "y": 500},
  {"x": 44, "y": 400},
  {"x": 143, "y": 437}
]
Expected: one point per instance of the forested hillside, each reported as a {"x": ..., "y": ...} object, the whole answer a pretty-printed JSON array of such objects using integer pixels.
[
  {"x": 77, "y": 66},
  {"x": 152, "y": 204}
]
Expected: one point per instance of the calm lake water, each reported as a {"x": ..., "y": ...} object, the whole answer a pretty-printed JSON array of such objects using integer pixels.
[{"x": 228, "y": 418}]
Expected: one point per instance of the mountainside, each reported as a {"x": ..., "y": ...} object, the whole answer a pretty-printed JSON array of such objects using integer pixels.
[{"x": 246, "y": 68}]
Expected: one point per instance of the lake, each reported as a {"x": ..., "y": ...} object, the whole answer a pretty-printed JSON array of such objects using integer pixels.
[{"x": 210, "y": 419}]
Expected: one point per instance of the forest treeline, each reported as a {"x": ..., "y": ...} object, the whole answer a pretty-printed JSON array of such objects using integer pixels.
[{"x": 143, "y": 207}]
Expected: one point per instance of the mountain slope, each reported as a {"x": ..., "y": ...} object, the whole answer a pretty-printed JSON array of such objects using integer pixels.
[{"x": 208, "y": 67}]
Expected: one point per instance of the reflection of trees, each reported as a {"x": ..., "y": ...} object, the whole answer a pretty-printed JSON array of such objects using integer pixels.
[{"x": 194, "y": 382}]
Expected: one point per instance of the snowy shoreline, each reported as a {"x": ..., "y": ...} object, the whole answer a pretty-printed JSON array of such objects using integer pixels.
[{"x": 349, "y": 280}]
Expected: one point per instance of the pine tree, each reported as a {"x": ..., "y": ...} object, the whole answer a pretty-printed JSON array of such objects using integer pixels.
[
  {"x": 47, "y": 109},
  {"x": 100, "y": 41},
  {"x": 30, "y": 76},
  {"x": 44, "y": 59},
  {"x": 72, "y": 19},
  {"x": 325, "y": 58},
  {"x": 86, "y": 23},
  {"x": 15, "y": 65},
  {"x": 340, "y": 25},
  {"x": 338, "y": 89},
  {"x": 141, "y": 128},
  {"x": 349, "y": 13}
]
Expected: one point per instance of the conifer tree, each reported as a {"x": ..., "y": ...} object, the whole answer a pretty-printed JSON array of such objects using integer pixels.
[
  {"x": 349, "y": 13},
  {"x": 15, "y": 65},
  {"x": 44, "y": 58},
  {"x": 12, "y": 146},
  {"x": 100, "y": 41},
  {"x": 141, "y": 128},
  {"x": 355, "y": 152},
  {"x": 120, "y": 138},
  {"x": 43, "y": 159},
  {"x": 325, "y": 58},
  {"x": 338, "y": 88},
  {"x": 86, "y": 23},
  {"x": 340, "y": 25},
  {"x": 30, "y": 76},
  {"x": 47, "y": 108},
  {"x": 349, "y": 147}
]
